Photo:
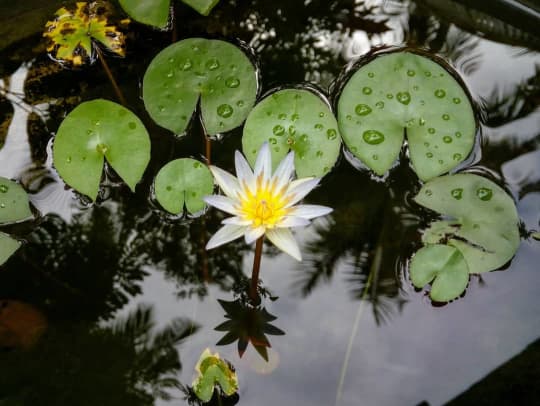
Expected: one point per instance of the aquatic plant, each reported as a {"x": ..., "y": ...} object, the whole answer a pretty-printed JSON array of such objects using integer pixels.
[
  {"x": 404, "y": 93},
  {"x": 214, "y": 372},
  {"x": 156, "y": 12},
  {"x": 183, "y": 182},
  {"x": 14, "y": 207},
  {"x": 480, "y": 234},
  {"x": 294, "y": 120},
  {"x": 94, "y": 131}
]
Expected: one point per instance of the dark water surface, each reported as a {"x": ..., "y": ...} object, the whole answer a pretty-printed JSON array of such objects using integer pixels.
[{"x": 103, "y": 299}]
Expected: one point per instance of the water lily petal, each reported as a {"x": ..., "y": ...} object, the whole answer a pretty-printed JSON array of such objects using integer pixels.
[
  {"x": 253, "y": 234},
  {"x": 297, "y": 191},
  {"x": 225, "y": 234},
  {"x": 309, "y": 211},
  {"x": 263, "y": 164},
  {"x": 237, "y": 221},
  {"x": 284, "y": 240},
  {"x": 222, "y": 203},
  {"x": 284, "y": 171},
  {"x": 293, "y": 221},
  {"x": 243, "y": 171},
  {"x": 227, "y": 182}
]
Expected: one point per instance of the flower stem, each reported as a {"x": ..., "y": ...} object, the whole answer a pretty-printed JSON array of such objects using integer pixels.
[
  {"x": 253, "y": 293},
  {"x": 117, "y": 90},
  {"x": 208, "y": 149}
]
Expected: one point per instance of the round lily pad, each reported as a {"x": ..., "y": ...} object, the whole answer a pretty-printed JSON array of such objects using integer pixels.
[
  {"x": 183, "y": 181},
  {"x": 98, "y": 130},
  {"x": 8, "y": 246},
  {"x": 403, "y": 93},
  {"x": 484, "y": 220},
  {"x": 218, "y": 72},
  {"x": 298, "y": 120},
  {"x": 14, "y": 205},
  {"x": 443, "y": 265}
]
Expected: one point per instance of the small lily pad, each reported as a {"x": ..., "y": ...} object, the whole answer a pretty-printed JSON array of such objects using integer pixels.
[
  {"x": 219, "y": 73},
  {"x": 71, "y": 33},
  {"x": 445, "y": 266},
  {"x": 98, "y": 130},
  {"x": 183, "y": 181},
  {"x": 405, "y": 93},
  {"x": 213, "y": 371},
  {"x": 298, "y": 120},
  {"x": 8, "y": 246},
  {"x": 156, "y": 12},
  {"x": 483, "y": 223},
  {"x": 14, "y": 205}
]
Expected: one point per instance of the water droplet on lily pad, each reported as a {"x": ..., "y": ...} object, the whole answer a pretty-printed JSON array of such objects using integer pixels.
[
  {"x": 321, "y": 114},
  {"x": 232, "y": 82},
  {"x": 458, "y": 134},
  {"x": 362, "y": 109},
  {"x": 457, "y": 193},
  {"x": 331, "y": 134},
  {"x": 272, "y": 141},
  {"x": 484, "y": 194},
  {"x": 68, "y": 159},
  {"x": 403, "y": 97},
  {"x": 187, "y": 65},
  {"x": 282, "y": 116},
  {"x": 410, "y": 72},
  {"x": 240, "y": 103},
  {"x": 225, "y": 111},
  {"x": 212, "y": 64},
  {"x": 389, "y": 96},
  {"x": 428, "y": 192},
  {"x": 132, "y": 125},
  {"x": 375, "y": 157},
  {"x": 429, "y": 155},
  {"x": 447, "y": 139},
  {"x": 367, "y": 90},
  {"x": 457, "y": 157},
  {"x": 319, "y": 153},
  {"x": 456, "y": 100},
  {"x": 379, "y": 104},
  {"x": 371, "y": 74},
  {"x": 292, "y": 130},
  {"x": 373, "y": 137},
  {"x": 431, "y": 130},
  {"x": 421, "y": 121},
  {"x": 427, "y": 73},
  {"x": 4, "y": 188},
  {"x": 295, "y": 117},
  {"x": 445, "y": 117},
  {"x": 440, "y": 93},
  {"x": 278, "y": 130},
  {"x": 319, "y": 126},
  {"x": 170, "y": 74}
]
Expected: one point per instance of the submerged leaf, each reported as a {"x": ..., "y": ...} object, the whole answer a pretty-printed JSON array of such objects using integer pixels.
[
  {"x": 218, "y": 72},
  {"x": 8, "y": 246},
  {"x": 70, "y": 34},
  {"x": 443, "y": 265},
  {"x": 402, "y": 92},
  {"x": 484, "y": 219},
  {"x": 98, "y": 130},
  {"x": 183, "y": 181},
  {"x": 213, "y": 371},
  {"x": 14, "y": 205},
  {"x": 298, "y": 120}
]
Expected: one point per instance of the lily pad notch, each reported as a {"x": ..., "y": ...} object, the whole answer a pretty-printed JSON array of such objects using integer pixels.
[
  {"x": 217, "y": 73},
  {"x": 94, "y": 131},
  {"x": 392, "y": 93}
]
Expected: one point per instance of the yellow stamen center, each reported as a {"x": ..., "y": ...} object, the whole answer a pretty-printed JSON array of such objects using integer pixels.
[{"x": 264, "y": 208}]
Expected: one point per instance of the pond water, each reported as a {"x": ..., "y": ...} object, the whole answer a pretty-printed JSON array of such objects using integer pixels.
[{"x": 114, "y": 302}]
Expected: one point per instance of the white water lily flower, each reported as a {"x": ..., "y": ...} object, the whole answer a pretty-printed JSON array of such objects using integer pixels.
[{"x": 262, "y": 203}]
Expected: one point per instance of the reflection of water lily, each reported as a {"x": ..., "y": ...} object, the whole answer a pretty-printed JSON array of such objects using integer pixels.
[{"x": 262, "y": 203}]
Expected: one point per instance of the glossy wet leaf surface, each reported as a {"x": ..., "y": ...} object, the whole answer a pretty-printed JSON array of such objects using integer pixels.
[
  {"x": 214, "y": 371},
  {"x": 71, "y": 33},
  {"x": 484, "y": 219},
  {"x": 8, "y": 246},
  {"x": 183, "y": 181},
  {"x": 14, "y": 205},
  {"x": 297, "y": 120},
  {"x": 404, "y": 92},
  {"x": 445, "y": 266},
  {"x": 218, "y": 73},
  {"x": 98, "y": 130}
]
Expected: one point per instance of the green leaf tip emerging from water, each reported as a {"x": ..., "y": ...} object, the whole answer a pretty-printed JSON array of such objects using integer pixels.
[
  {"x": 404, "y": 91},
  {"x": 156, "y": 12},
  {"x": 484, "y": 223},
  {"x": 219, "y": 73},
  {"x": 98, "y": 130},
  {"x": 213, "y": 371},
  {"x": 445, "y": 266},
  {"x": 183, "y": 181},
  {"x": 14, "y": 205},
  {"x": 8, "y": 246},
  {"x": 298, "y": 120}
]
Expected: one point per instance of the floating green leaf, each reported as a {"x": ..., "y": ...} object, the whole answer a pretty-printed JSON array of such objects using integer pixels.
[
  {"x": 445, "y": 266},
  {"x": 484, "y": 219},
  {"x": 214, "y": 371},
  {"x": 156, "y": 12},
  {"x": 219, "y": 72},
  {"x": 14, "y": 205},
  {"x": 8, "y": 246},
  {"x": 96, "y": 130},
  {"x": 70, "y": 34},
  {"x": 298, "y": 120},
  {"x": 402, "y": 92},
  {"x": 183, "y": 181}
]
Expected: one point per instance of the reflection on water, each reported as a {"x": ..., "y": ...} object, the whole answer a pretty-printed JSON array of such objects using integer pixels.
[{"x": 112, "y": 278}]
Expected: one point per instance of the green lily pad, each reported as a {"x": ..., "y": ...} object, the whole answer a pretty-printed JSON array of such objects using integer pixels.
[
  {"x": 8, "y": 246},
  {"x": 402, "y": 92},
  {"x": 14, "y": 205},
  {"x": 96, "y": 130},
  {"x": 219, "y": 72},
  {"x": 214, "y": 371},
  {"x": 183, "y": 181},
  {"x": 484, "y": 220},
  {"x": 156, "y": 12},
  {"x": 70, "y": 34},
  {"x": 298, "y": 120},
  {"x": 445, "y": 266}
]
